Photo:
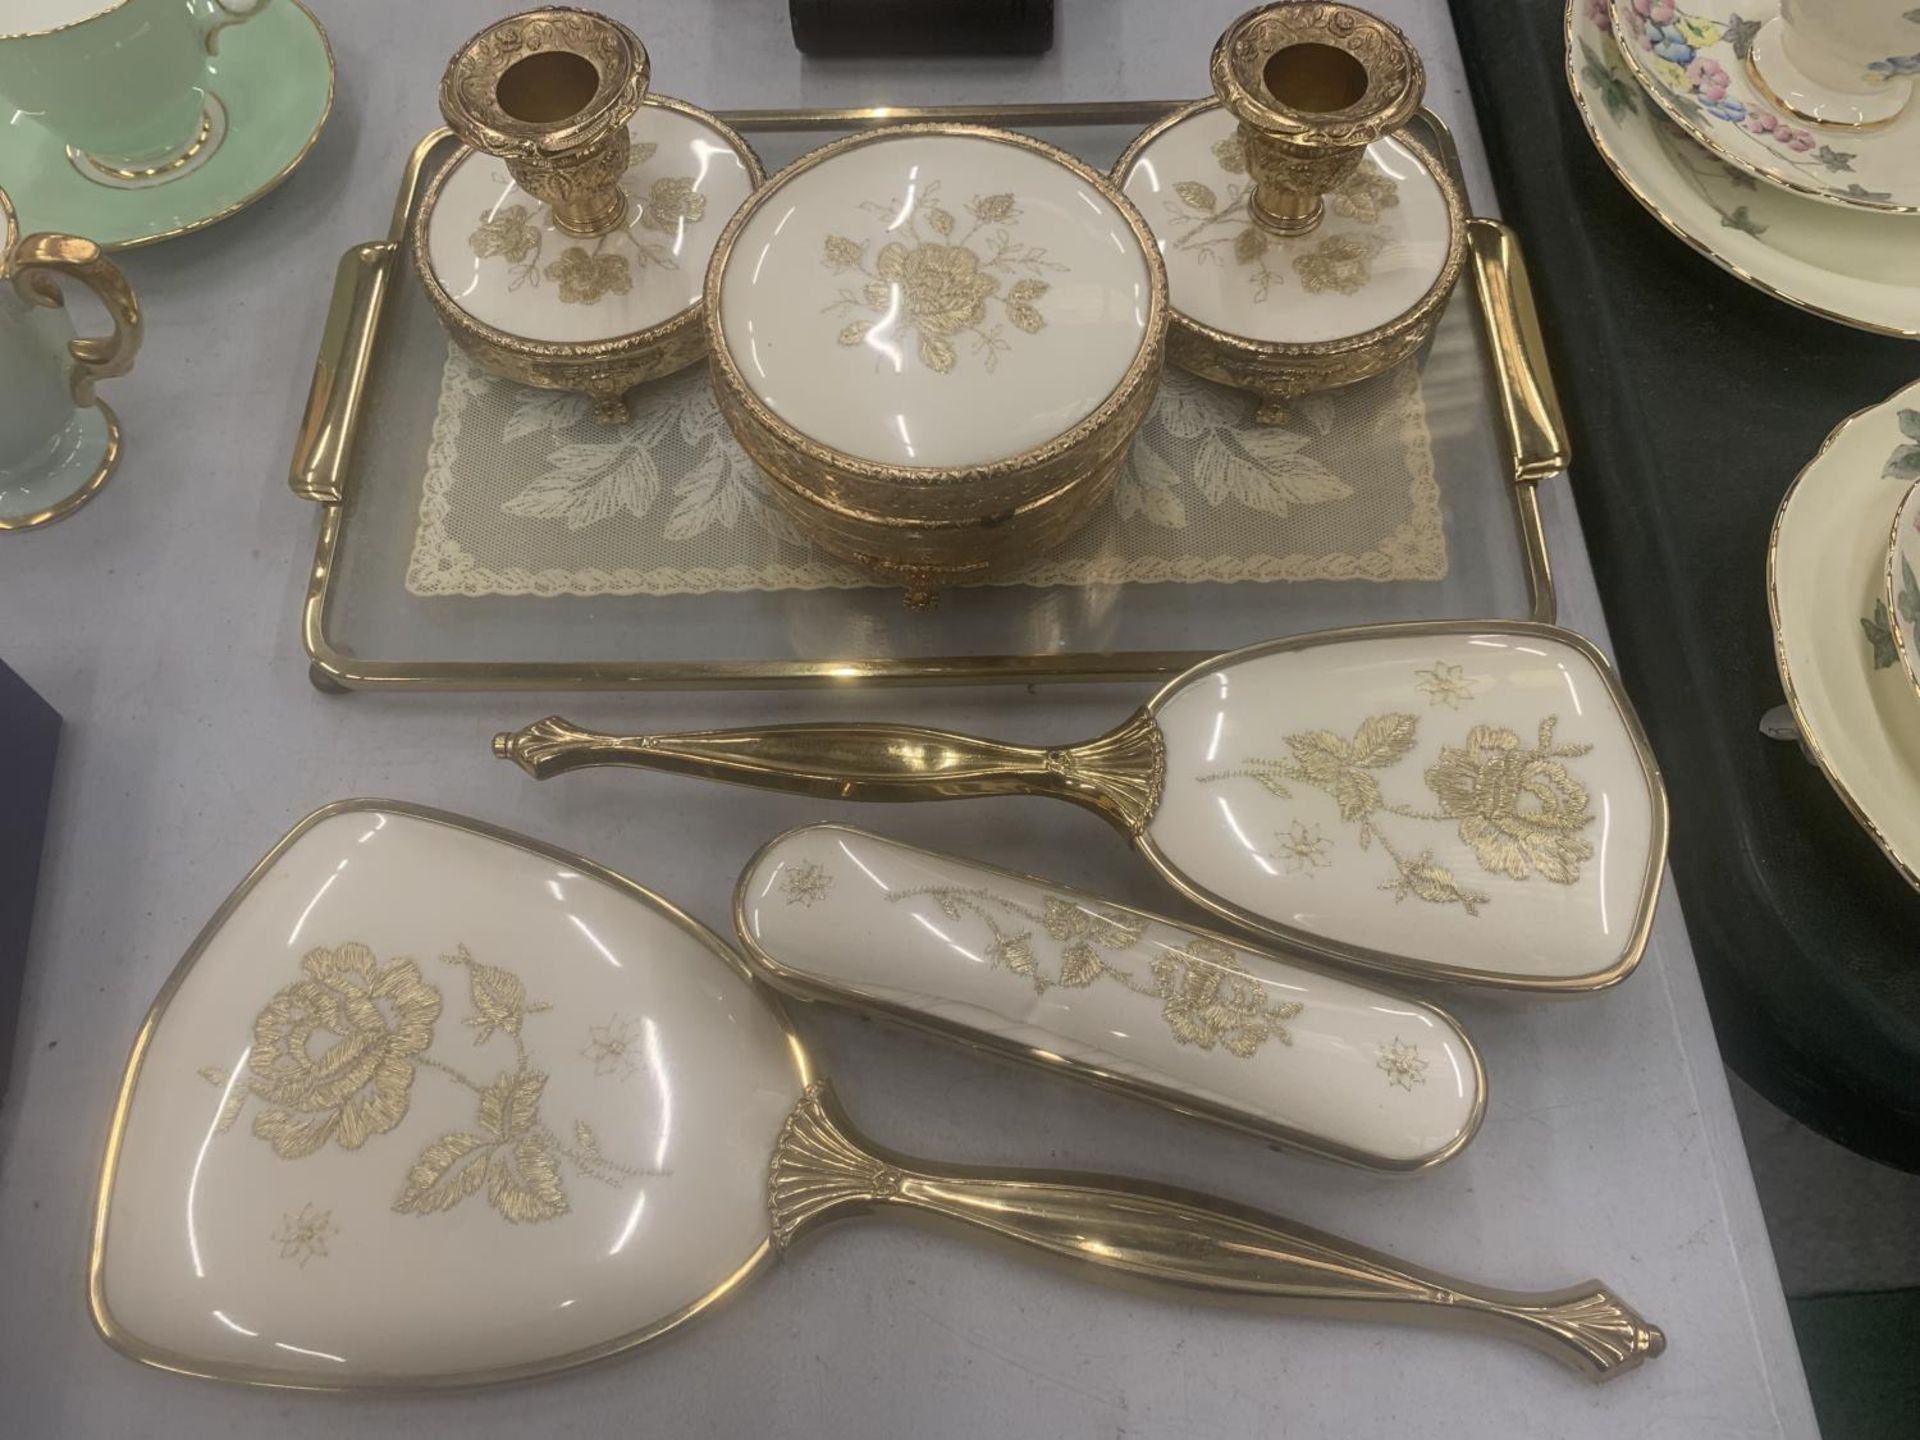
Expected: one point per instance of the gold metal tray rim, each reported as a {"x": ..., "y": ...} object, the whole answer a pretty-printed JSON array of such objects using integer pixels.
[{"x": 1534, "y": 433}]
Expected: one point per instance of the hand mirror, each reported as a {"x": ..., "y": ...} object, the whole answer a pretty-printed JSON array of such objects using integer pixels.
[
  {"x": 1457, "y": 800},
  {"x": 430, "y": 1104}
]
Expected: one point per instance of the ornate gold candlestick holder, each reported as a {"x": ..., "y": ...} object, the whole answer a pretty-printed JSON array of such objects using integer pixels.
[
  {"x": 565, "y": 245},
  {"x": 1310, "y": 241}
]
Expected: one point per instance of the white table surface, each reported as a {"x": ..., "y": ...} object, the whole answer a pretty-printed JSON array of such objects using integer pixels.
[{"x": 161, "y": 622}]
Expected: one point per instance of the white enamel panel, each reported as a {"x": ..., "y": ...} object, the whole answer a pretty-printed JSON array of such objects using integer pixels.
[
  {"x": 1375, "y": 253},
  {"x": 1026, "y": 967},
  {"x": 1466, "y": 800},
  {"x": 304, "y": 1269},
  {"x": 934, "y": 300},
  {"x": 1827, "y": 577},
  {"x": 498, "y": 253}
]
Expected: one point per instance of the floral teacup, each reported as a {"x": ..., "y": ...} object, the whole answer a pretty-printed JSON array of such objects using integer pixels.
[{"x": 1840, "y": 62}]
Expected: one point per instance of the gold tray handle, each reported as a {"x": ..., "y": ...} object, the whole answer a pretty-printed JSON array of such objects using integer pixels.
[
  {"x": 1117, "y": 775},
  {"x": 361, "y": 283},
  {"x": 1136, "y": 1234},
  {"x": 325, "y": 444},
  {"x": 39, "y": 261},
  {"x": 1530, "y": 406}
]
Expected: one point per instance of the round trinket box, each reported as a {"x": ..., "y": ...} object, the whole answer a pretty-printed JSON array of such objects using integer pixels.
[
  {"x": 566, "y": 244},
  {"x": 937, "y": 341},
  {"x": 1309, "y": 241}
]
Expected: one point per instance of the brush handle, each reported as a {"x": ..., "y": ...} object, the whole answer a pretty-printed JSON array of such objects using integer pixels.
[
  {"x": 1117, "y": 775},
  {"x": 1135, "y": 1234}
]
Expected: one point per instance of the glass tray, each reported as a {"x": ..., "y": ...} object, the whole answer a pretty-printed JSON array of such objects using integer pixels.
[{"x": 1491, "y": 410}]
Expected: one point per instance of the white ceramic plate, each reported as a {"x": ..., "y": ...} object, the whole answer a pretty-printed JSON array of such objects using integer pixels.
[
  {"x": 1826, "y": 582},
  {"x": 1691, "y": 57},
  {"x": 1850, "y": 265}
]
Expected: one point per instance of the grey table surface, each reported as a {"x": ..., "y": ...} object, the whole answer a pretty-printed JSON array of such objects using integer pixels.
[{"x": 161, "y": 622}]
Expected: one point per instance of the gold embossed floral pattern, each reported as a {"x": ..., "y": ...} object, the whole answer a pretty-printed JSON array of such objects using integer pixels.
[
  {"x": 1448, "y": 685},
  {"x": 333, "y": 1053},
  {"x": 671, "y": 203},
  {"x": 946, "y": 280},
  {"x": 1207, "y": 997},
  {"x": 1216, "y": 227},
  {"x": 612, "y": 1047},
  {"x": 509, "y": 233},
  {"x": 1403, "y": 1064},
  {"x": 587, "y": 273},
  {"x": 1303, "y": 849},
  {"x": 1516, "y": 806},
  {"x": 585, "y": 277},
  {"x": 1338, "y": 262},
  {"x": 334, "y": 1059},
  {"x": 805, "y": 883},
  {"x": 303, "y": 1237}
]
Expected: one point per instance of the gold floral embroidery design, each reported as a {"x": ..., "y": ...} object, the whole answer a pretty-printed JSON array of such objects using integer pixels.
[
  {"x": 1517, "y": 807},
  {"x": 610, "y": 1047},
  {"x": 587, "y": 276},
  {"x": 1304, "y": 849},
  {"x": 805, "y": 883},
  {"x": 334, "y": 1059},
  {"x": 1448, "y": 685},
  {"x": 1206, "y": 995},
  {"x": 1219, "y": 227},
  {"x": 941, "y": 281},
  {"x": 1402, "y": 1064},
  {"x": 304, "y": 1237},
  {"x": 1338, "y": 262}
]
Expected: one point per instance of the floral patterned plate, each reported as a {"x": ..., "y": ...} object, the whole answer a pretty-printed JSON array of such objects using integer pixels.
[
  {"x": 1691, "y": 56},
  {"x": 1826, "y": 582},
  {"x": 1903, "y": 554},
  {"x": 1858, "y": 267}
]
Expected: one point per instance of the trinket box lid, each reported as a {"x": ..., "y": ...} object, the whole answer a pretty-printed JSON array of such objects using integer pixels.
[{"x": 937, "y": 297}]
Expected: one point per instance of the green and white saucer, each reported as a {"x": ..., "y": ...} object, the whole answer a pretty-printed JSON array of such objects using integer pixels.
[
  {"x": 1832, "y": 633},
  {"x": 274, "y": 79},
  {"x": 65, "y": 475}
]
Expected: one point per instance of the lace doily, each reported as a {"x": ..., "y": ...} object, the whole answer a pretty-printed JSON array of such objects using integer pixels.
[{"x": 524, "y": 494}]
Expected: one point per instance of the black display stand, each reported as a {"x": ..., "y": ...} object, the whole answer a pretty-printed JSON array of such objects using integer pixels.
[
  {"x": 29, "y": 730},
  {"x": 1692, "y": 401},
  {"x": 922, "y": 27}
]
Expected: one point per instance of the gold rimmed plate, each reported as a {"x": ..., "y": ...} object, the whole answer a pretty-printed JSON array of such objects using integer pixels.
[
  {"x": 1832, "y": 631},
  {"x": 1859, "y": 268},
  {"x": 1696, "y": 64},
  {"x": 274, "y": 77}
]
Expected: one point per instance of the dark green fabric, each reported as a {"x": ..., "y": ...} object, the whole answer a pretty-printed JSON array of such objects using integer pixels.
[{"x": 1862, "y": 1356}]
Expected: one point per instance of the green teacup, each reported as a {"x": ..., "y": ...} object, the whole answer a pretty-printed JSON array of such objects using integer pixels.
[
  {"x": 122, "y": 82},
  {"x": 58, "y": 441}
]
